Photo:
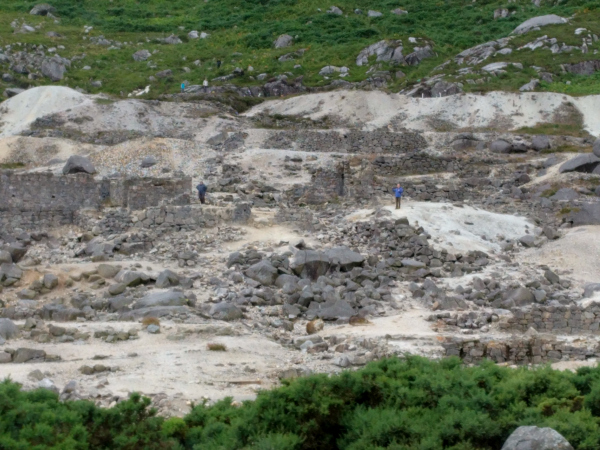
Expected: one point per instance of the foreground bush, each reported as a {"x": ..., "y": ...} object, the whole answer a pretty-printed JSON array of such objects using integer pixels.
[{"x": 396, "y": 404}]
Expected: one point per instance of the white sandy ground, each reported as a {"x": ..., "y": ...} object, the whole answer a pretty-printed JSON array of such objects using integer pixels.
[
  {"x": 458, "y": 228},
  {"x": 375, "y": 109},
  {"x": 18, "y": 112},
  {"x": 578, "y": 251}
]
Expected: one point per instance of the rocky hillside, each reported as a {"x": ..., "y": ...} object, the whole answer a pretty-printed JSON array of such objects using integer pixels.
[{"x": 280, "y": 47}]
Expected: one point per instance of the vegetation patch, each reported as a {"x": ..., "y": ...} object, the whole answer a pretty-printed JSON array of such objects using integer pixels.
[
  {"x": 216, "y": 347},
  {"x": 11, "y": 166},
  {"x": 395, "y": 404}
]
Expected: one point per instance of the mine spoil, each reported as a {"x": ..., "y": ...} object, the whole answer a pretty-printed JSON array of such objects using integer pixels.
[{"x": 115, "y": 278}]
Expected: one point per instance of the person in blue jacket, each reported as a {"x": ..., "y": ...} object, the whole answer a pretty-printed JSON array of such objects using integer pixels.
[
  {"x": 202, "y": 192},
  {"x": 398, "y": 193}
]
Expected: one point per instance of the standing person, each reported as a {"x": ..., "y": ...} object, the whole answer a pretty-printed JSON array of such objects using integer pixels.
[
  {"x": 398, "y": 193},
  {"x": 205, "y": 84},
  {"x": 202, "y": 192},
  {"x": 218, "y": 63},
  {"x": 182, "y": 87}
]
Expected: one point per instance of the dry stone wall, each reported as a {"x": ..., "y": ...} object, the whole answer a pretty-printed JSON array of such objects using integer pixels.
[
  {"x": 563, "y": 319},
  {"x": 354, "y": 141},
  {"x": 520, "y": 350}
]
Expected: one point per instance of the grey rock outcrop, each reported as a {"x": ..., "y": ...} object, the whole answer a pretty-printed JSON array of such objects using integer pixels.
[
  {"x": 141, "y": 55},
  {"x": 540, "y": 21},
  {"x": 169, "y": 298},
  {"x": 583, "y": 68},
  {"x": 540, "y": 142},
  {"x": 501, "y": 146},
  {"x": 531, "y": 86},
  {"x": 54, "y": 68},
  {"x": 173, "y": 39},
  {"x": 225, "y": 311},
  {"x": 345, "y": 258},
  {"x": 535, "y": 438},
  {"x": 43, "y": 9},
  {"x": 385, "y": 51},
  {"x": 285, "y": 40},
  {"x": 335, "y": 10},
  {"x": 585, "y": 214},
  {"x": 78, "y": 164},
  {"x": 587, "y": 163}
]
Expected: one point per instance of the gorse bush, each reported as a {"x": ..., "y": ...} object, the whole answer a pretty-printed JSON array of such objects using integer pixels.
[{"x": 394, "y": 404}]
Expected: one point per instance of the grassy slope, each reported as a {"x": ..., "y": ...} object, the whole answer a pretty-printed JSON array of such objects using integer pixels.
[{"x": 250, "y": 27}]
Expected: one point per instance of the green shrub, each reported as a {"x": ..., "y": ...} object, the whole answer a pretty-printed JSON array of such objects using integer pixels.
[{"x": 393, "y": 404}]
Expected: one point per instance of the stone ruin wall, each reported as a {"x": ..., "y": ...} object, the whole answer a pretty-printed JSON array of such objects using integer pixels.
[
  {"x": 37, "y": 200},
  {"x": 564, "y": 319},
  {"x": 520, "y": 350}
]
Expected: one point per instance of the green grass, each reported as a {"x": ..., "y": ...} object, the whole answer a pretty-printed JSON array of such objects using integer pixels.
[
  {"x": 242, "y": 35},
  {"x": 11, "y": 166},
  {"x": 556, "y": 129}
]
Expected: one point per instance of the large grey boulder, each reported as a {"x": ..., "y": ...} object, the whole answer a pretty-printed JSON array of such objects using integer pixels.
[
  {"x": 501, "y": 146},
  {"x": 78, "y": 164},
  {"x": 108, "y": 270},
  {"x": 535, "y": 438},
  {"x": 131, "y": 278},
  {"x": 565, "y": 194},
  {"x": 310, "y": 264},
  {"x": 583, "y": 67},
  {"x": 585, "y": 214},
  {"x": 263, "y": 272},
  {"x": 335, "y": 10},
  {"x": 43, "y": 9},
  {"x": 23, "y": 355},
  {"x": 345, "y": 258},
  {"x": 444, "y": 89},
  {"x": 17, "y": 251},
  {"x": 141, "y": 55},
  {"x": 54, "y": 68},
  {"x": 531, "y": 86},
  {"x": 167, "y": 278},
  {"x": 10, "y": 271},
  {"x": 12, "y": 92},
  {"x": 418, "y": 55},
  {"x": 590, "y": 289},
  {"x": 335, "y": 310},
  {"x": 225, "y": 311},
  {"x": 587, "y": 163},
  {"x": 597, "y": 148},
  {"x": 5, "y": 257},
  {"x": 169, "y": 298},
  {"x": 8, "y": 330},
  {"x": 285, "y": 40},
  {"x": 540, "y": 21},
  {"x": 540, "y": 142},
  {"x": 372, "y": 13},
  {"x": 521, "y": 296}
]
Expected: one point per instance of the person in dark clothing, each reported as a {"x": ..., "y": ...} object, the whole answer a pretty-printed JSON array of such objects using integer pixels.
[
  {"x": 398, "y": 193},
  {"x": 218, "y": 63},
  {"x": 202, "y": 192}
]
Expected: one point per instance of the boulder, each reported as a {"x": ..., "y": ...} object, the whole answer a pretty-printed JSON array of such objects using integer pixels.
[
  {"x": 169, "y": 298},
  {"x": 225, "y": 311},
  {"x": 586, "y": 163},
  {"x": 108, "y": 271},
  {"x": 193, "y": 34},
  {"x": 540, "y": 142},
  {"x": 418, "y": 55},
  {"x": 372, "y": 13},
  {"x": 164, "y": 74},
  {"x": 597, "y": 148},
  {"x": 54, "y": 68},
  {"x": 173, "y": 39},
  {"x": 141, "y": 55},
  {"x": 540, "y": 21},
  {"x": 149, "y": 161},
  {"x": 385, "y": 51},
  {"x": 590, "y": 289},
  {"x": 17, "y": 251},
  {"x": 345, "y": 258},
  {"x": 23, "y": 355},
  {"x": 500, "y": 13},
  {"x": 50, "y": 281},
  {"x": 585, "y": 214},
  {"x": 520, "y": 296},
  {"x": 12, "y": 92},
  {"x": 131, "y": 278},
  {"x": 335, "y": 10},
  {"x": 167, "y": 278},
  {"x": 263, "y": 272},
  {"x": 10, "y": 271},
  {"x": 535, "y": 438},
  {"x": 8, "y": 329},
  {"x": 531, "y": 86},
  {"x": 5, "y": 257},
  {"x": 528, "y": 241},
  {"x": 336, "y": 310},
  {"x": 565, "y": 194},
  {"x": 78, "y": 164},
  {"x": 5, "y": 357},
  {"x": 501, "y": 146},
  {"x": 43, "y": 9},
  {"x": 285, "y": 40},
  {"x": 583, "y": 68},
  {"x": 310, "y": 264},
  {"x": 116, "y": 289},
  {"x": 444, "y": 89}
]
